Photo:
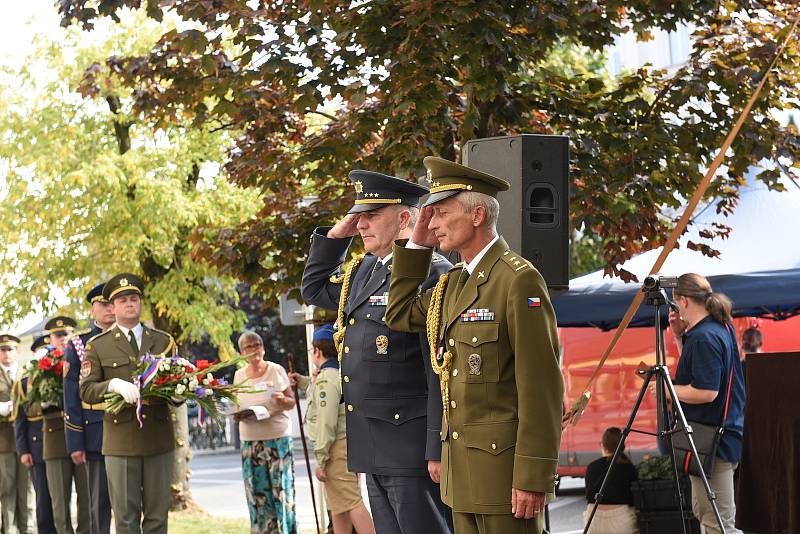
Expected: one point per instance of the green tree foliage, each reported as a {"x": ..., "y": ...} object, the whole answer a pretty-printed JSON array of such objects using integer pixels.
[
  {"x": 412, "y": 78},
  {"x": 90, "y": 191}
]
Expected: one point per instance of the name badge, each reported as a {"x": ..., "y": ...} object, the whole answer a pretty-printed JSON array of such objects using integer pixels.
[{"x": 478, "y": 314}]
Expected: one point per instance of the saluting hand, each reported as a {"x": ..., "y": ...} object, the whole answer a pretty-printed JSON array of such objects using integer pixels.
[
  {"x": 346, "y": 227},
  {"x": 422, "y": 235}
]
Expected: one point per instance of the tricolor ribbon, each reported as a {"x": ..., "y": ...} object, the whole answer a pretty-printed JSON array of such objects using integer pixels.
[
  {"x": 201, "y": 416},
  {"x": 138, "y": 383}
]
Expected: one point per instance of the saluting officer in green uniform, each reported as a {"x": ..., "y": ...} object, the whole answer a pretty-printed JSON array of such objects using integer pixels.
[
  {"x": 138, "y": 460},
  {"x": 60, "y": 468},
  {"x": 14, "y": 481},
  {"x": 492, "y": 334}
]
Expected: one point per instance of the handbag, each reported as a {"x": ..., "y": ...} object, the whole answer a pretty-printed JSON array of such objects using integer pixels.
[{"x": 706, "y": 440}]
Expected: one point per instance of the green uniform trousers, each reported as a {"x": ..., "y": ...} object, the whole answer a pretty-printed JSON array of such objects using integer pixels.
[
  {"x": 60, "y": 474},
  {"x": 496, "y": 524},
  {"x": 16, "y": 496},
  {"x": 139, "y": 487}
]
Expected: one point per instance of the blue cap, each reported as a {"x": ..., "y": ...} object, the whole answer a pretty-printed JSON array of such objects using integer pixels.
[
  {"x": 323, "y": 333},
  {"x": 375, "y": 190}
]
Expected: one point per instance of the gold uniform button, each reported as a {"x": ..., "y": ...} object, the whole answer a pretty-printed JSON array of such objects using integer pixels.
[
  {"x": 86, "y": 422},
  {"x": 144, "y": 416},
  {"x": 115, "y": 421},
  {"x": 349, "y": 407},
  {"x": 347, "y": 350},
  {"x": 455, "y": 372},
  {"x": 455, "y": 435},
  {"x": 346, "y": 378},
  {"x": 352, "y": 321},
  {"x": 369, "y": 315},
  {"x": 396, "y": 416},
  {"x": 474, "y": 339},
  {"x": 494, "y": 446},
  {"x": 452, "y": 342},
  {"x": 452, "y": 404},
  {"x": 383, "y": 318},
  {"x": 114, "y": 364},
  {"x": 34, "y": 437}
]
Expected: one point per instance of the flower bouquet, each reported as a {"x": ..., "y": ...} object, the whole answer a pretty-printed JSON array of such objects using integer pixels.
[
  {"x": 46, "y": 377},
  {"x": 177, "y": 380}
]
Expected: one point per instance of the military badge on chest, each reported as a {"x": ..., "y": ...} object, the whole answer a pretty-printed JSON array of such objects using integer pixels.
[
  {"x": 379, "y": 300},
  {"x": 474, "y": 361},
  {"x": 382, "y": 344},
  {"x": 478, "y": 314}
]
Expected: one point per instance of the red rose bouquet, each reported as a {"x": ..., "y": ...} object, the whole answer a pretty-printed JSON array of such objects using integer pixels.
[
  {"x": 176, "y": 380},
  {"x": 46, "y": 377}
]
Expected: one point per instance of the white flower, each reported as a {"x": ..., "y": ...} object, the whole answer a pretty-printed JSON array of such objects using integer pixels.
[
  {"x": 193, "y": 384},
  {"x": 180, "y": 389}
]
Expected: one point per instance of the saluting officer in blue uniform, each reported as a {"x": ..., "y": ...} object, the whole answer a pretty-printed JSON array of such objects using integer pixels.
[
  {"x": 84, "y": 422},
  {"x": 28, "y": 436},
  {"x": 392, "y": 398}
]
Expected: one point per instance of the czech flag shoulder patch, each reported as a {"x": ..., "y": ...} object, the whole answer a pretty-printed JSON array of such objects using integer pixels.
[{"x": 534, "y": 302}]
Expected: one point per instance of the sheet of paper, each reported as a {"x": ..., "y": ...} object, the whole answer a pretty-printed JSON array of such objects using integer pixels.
[{"x": 260, "y": 412}]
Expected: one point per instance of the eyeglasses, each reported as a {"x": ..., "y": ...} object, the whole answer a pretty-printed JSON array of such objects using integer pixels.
[{"x": 250, "y": 348}]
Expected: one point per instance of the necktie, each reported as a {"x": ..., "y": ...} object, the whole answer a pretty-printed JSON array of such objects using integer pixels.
[
  {"x": 132, "y": 340},
  {"x": 377, "y": 267},
  {"x": 462, "y": 281}
]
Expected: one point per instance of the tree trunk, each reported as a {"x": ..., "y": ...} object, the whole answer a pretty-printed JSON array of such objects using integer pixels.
[{"x": 181, "y": 495}]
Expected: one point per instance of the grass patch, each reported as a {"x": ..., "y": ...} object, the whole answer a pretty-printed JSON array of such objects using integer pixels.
[{"x": 199, "y": 523}]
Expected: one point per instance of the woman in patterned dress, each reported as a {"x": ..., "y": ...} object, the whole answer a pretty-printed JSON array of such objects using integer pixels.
[{"x": 266, "y": 434}]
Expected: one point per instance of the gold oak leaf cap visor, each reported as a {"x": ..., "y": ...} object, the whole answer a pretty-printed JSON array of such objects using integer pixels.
[
  {"x": 375, "y": 190},
  {"x": 448, "y": 178}
]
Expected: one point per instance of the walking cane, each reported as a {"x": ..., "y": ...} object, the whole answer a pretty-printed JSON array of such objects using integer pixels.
[{"x": 290, "y": 361}]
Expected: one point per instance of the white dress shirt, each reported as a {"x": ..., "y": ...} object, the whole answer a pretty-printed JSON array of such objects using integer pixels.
[{"x": 138, "y": 330}]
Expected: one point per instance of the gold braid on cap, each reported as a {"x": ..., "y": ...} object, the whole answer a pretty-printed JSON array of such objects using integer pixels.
[
  {"x": 433, "y": 323},
  {"x": 338, "y": 336}
]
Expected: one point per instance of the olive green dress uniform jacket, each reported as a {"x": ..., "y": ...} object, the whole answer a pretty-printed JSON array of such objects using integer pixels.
[
  {"x": 110, "y": 355},
  {"x": 55, "y": 441},
  {"x": 7, "y": 442},
  {"x": 506, "y": 390}
]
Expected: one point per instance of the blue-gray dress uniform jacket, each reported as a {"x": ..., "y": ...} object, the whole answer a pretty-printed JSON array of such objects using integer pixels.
[
  {"x": 83, "y": 425},
  {"x": 28, "y": 429},
  {"x": 393, "y": 400}
]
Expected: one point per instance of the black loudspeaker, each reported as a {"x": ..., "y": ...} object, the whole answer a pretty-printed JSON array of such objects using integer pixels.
[{"x": 534, "y": 212}]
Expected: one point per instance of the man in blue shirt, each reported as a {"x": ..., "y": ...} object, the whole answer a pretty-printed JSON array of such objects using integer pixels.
[{"x": 708, "y": 367}]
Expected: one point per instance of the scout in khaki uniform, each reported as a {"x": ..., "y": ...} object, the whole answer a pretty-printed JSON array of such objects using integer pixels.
[
  {"x": 492, "y": 334},
  {"x": 16, "y": 516},
  {"x": 138, "y": 460},
  {"x": 61, "y": 471},
  {"x": 84, "y": 422},
  {"x": 30, "y": 443},
  {"x": 326, "y": 428}
]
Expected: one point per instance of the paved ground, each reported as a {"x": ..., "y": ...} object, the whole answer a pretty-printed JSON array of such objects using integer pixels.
[{"x": 217, "y": 486}]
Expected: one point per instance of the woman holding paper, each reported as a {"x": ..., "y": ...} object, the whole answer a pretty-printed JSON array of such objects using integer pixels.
[{"x": 266, "y": 434}]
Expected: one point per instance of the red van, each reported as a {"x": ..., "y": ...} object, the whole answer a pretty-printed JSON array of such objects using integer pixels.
[{"x": 615, "y": 390}]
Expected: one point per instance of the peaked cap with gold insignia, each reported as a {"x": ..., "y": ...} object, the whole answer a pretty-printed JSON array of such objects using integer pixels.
[
  {"x": 375, "y": 190},
  {"x": 60, "y": 324},
  {"x": 123, "y": 284},
  {"x": 7, "y": 341},
  {"x": 96, "y": 294},
  {"x": 40, "y": 341},
  {"x": 448, "y": 178}
]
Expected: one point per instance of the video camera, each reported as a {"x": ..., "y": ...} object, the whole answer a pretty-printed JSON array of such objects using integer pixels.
[{"x": 657, "y": 283}]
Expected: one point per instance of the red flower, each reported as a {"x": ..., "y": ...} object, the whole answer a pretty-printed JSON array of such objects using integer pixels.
[
  {"x": 203, "y": 364},
  {"x": 45, "y": 364},
  {"x": 57, "y": 353},
  {"x": 59, "y": 368}
]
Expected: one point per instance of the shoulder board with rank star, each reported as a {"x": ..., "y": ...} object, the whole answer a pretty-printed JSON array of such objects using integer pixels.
[{"x": 515, "y": 261}]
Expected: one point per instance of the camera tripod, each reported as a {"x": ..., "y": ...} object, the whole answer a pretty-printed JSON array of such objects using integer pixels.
[{"x": 656, "y": 297}]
